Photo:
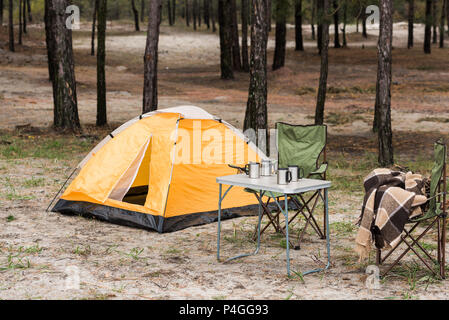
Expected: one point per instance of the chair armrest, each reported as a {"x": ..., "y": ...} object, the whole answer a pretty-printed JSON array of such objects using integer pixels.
[{"x": 322, "y": 169}]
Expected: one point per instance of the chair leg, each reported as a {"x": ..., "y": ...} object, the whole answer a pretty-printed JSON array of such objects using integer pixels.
[
  {"x": 324, "y": 224},
  {"x": 310, "y": 211},
  {"x": 300, "y": 210},
  {"x": 266, "y": 211},
  {"x": 439, "y": 253},
  {"x": 414, "y": 241},
  {"x": 442, "y": 245},
  {"x": 378, "y": 256}
]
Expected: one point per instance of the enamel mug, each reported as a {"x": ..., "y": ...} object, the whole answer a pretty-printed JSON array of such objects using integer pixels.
[
  {"x": 252, "y": 169},
  {"x": 297, "y": 172},
  {"x": 284, "y": 176}
]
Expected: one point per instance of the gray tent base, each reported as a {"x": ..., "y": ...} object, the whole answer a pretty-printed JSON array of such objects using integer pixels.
[{"x": 147, "y": 221}]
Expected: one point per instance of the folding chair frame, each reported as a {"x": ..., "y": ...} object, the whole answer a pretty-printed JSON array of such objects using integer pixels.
[
  {"x": 440, "y": 220},
  {"x": 301, "y": 208}
]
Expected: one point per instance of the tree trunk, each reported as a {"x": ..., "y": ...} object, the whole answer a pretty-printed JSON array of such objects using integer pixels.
[
  {"x": 336, "y": 36},
  {"x": 434, "y": 21},
  {"x": 236, "y": 61},
  {"x": 225, "y": 27},
  {"x": 11, "y": 26},
  {"x": 30, "y": 18},
  {"x": 447, "y": 15},
  {"x": 299, "y": 44},
  {"x": 63, "y": 76},
  {"x": 173, "y": 9},
  {"x": 321, "y": 96},
  {"x": 94, "y": 23},
  {"x": 20, "y": 23},
  {"x": 142, "y": 10},
  {"x": 151, "y": 57},
  {"x": 136, "y": 15},
  {"x": 411, "y": 18},
  {"x": 183, "y": 10},
  {"x": 320, "y": 17},
  {"x": 198, "y": 14},
  {"x": 312, "y": 19},
  {"x": 269, "y": 7},
  {"x": 364, "y": 33},
  {"x": 281, "y": 34},
  {"x": 345, "y": 20},
  {"x": 49, "y": 41},
  {"x": 428, "y": 27},
  {"x": 194, "y": 12},
  {"x": 1, "y": 13},
  {"x": 245, "y": 12},
  {"x": 169, "y": 13},
  {"x": 101, "y": 63},
  {"x": 24, "y": 16},
  {"x": 384, "y": 48},
  {"x": 187, "y": 13},
  {"x": 256, "y": 117},
  {"x": 376, "y": 107},
  {"x": 442, "y": 17},
  {"x": 214, "y": 28},
  {"x": 206, "y": 13}
]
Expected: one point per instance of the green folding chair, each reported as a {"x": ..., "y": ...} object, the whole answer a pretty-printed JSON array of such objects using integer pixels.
[
  {"x": 304, "y": 146},
  {"x": 434, "y": 215}
]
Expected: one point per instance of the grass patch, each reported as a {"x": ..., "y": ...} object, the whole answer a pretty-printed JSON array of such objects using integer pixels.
[
  {"x": 301, "y": 91},
  {"x": 439, "y": 88},
  {"x": 15, "y": 261},
  {"x": 347, "y": 183},
  {"x": 135, "y": 253},
  {"x": 340, "y": 118},
  {"x": 83, "y": 250},
  {"x": 352, "y": 90},
  {"x": 34, "y": 182},
  {"x": 36, "y": 249},
  {"x": 426, "y": 67},
  {"x": 173, "y": 251},
  {"x": 45, "y": 147},
  {"x": 343, "y": 228},
  {"x": 10, "y": 218},
  {"x": 415, "y": 274},
  {"x": 11, "y": 193},
  {"x": 434, "y": 119}
]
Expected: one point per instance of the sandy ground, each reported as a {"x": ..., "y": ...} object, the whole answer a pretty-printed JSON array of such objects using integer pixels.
[{"x": 41, "y": 252}]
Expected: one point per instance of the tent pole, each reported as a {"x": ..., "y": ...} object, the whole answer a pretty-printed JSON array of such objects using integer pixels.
[{"x": 61, "y": 189}]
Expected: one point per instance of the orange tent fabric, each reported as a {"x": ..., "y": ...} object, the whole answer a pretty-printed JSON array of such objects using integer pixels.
[{"x": 158, "y": 172}]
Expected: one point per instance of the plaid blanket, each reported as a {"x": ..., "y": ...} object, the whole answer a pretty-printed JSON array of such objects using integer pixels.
[{"x": 391, "y": 199}]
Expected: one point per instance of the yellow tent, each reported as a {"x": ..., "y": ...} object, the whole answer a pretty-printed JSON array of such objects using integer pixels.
[{"x": 158, "y": 170}]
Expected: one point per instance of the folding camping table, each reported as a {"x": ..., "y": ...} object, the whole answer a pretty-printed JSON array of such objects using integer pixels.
[{"x": 268, "y": 185}]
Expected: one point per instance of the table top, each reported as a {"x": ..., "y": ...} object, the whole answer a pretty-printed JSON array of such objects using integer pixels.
[{"x": 269, "y": 183}]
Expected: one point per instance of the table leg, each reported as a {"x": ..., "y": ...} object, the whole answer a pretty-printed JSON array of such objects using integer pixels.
[
  {"x": 259, "y": 221},
  {"x": 286, "y": 233},
  {"x": 258, "y": 228},
  {"x": 219, "y": 222},
  {"x": 326, "y": 221}
]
